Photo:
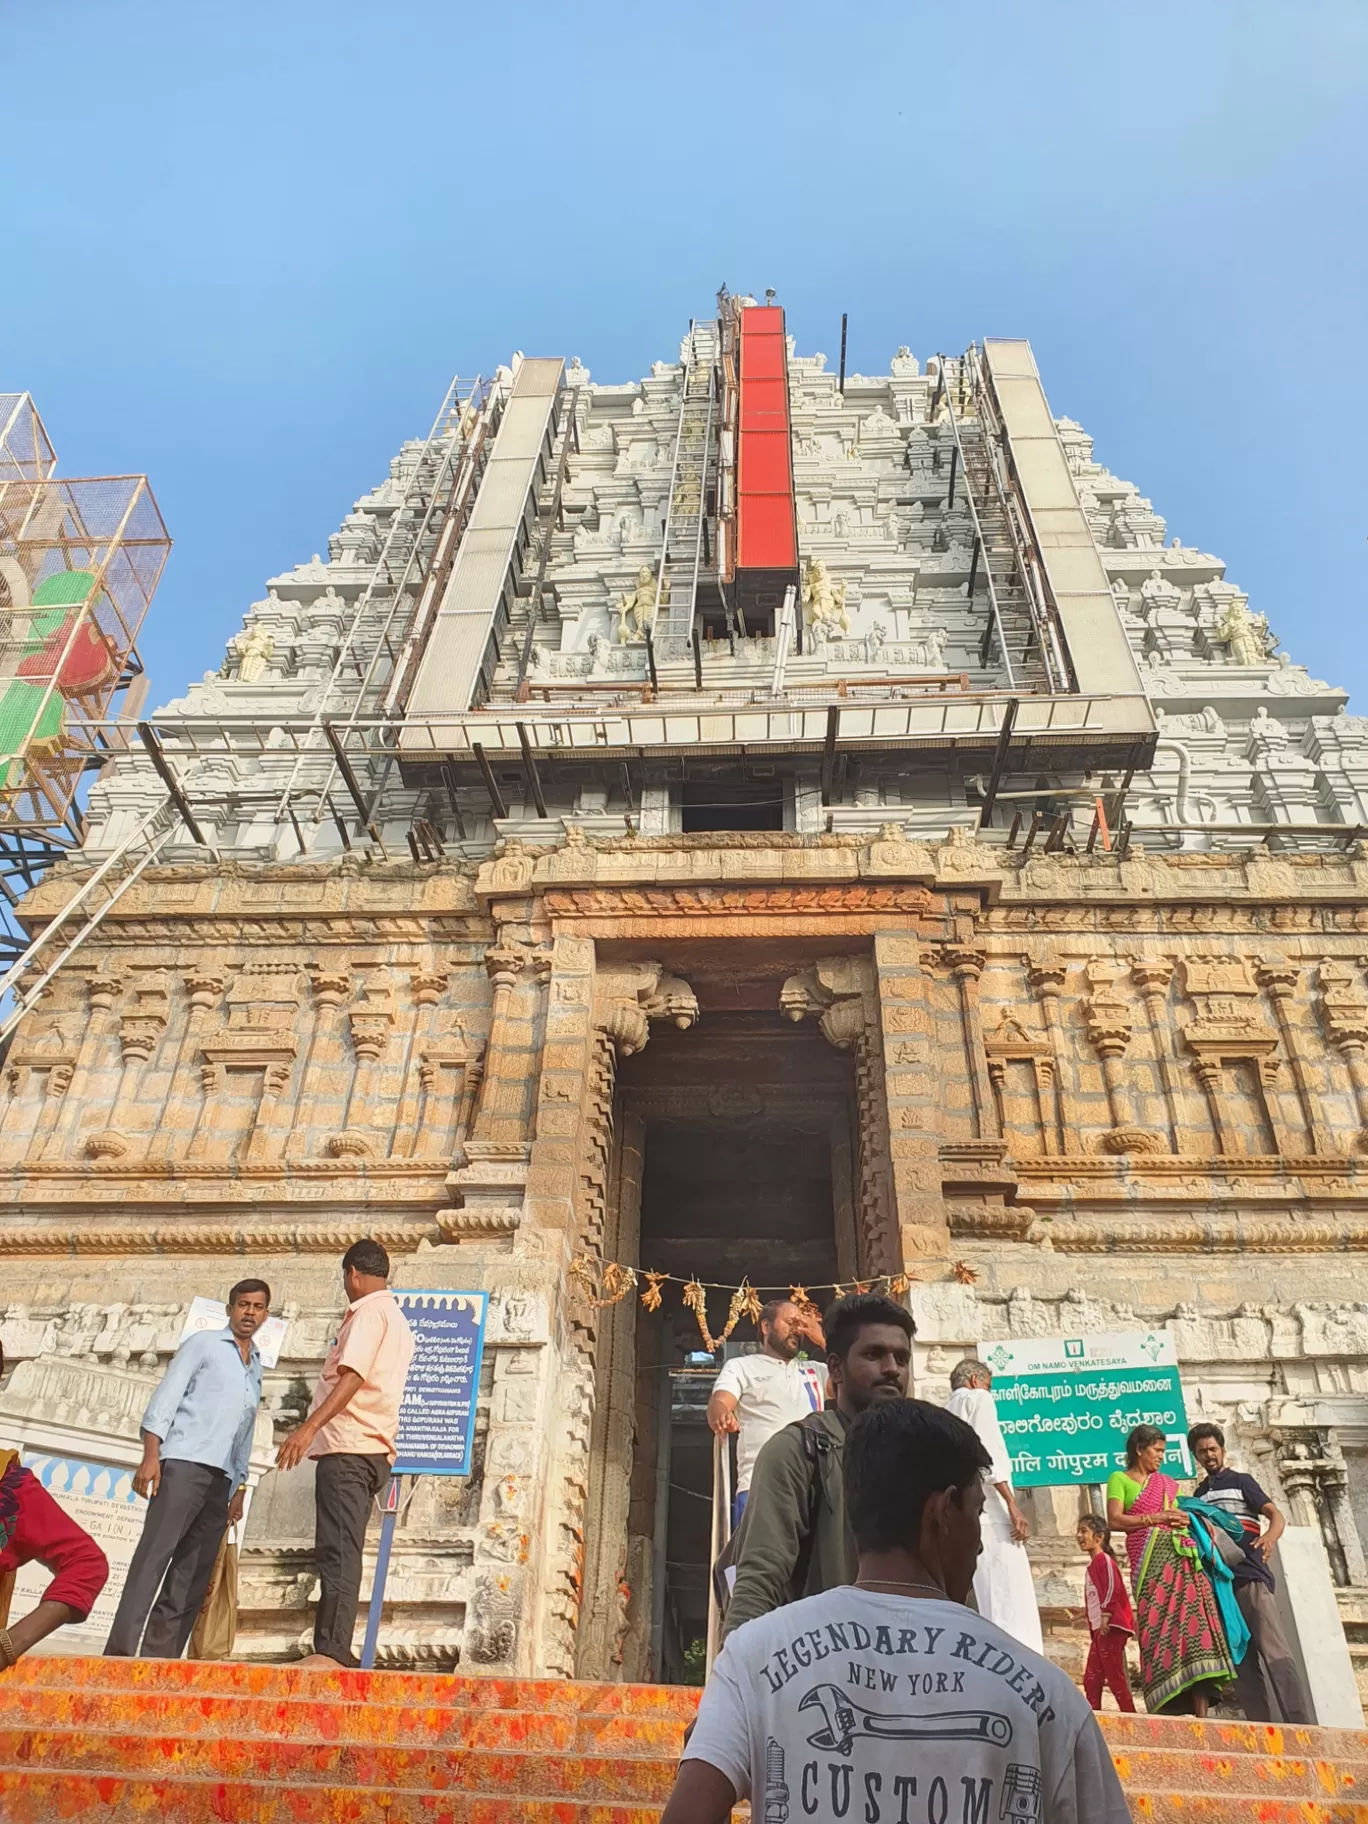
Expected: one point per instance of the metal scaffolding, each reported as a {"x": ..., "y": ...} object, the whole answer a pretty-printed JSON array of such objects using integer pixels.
[{"x": 79, "y": 562}]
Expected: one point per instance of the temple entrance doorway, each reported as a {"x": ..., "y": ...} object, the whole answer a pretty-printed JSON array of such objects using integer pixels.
[{"x": 735, "y": 1158}]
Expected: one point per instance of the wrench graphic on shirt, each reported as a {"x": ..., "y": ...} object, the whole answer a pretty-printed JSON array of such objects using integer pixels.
[{"x": 843, "y": 1719}]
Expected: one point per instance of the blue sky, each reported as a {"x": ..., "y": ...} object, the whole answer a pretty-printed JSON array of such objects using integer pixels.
[{"x": 248, "y": 245}]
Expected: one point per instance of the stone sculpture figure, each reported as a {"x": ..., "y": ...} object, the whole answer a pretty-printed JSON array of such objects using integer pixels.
[
  {"x": 637, "y": 607},
  {"x": 253, "y": 647},
  {"x": 1246, "y": 634},
  {"x": 824, "y": 601}
]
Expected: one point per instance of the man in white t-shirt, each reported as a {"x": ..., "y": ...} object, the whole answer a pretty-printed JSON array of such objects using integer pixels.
[
  {"x": 757, "y": 1395},
  {"x": 888, "y": 1701}
]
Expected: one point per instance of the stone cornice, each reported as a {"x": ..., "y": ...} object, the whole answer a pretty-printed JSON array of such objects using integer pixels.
[
  {"x": 406, "y": 1186},
  {"x": 400, "y": 901},
  {"x": 266, "y": 1237},
  {"x": 1193, "y": 1234}
]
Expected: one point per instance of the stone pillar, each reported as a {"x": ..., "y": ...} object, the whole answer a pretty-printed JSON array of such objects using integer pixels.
[
  {"x": 491, "y": 1184},
  {"x": 879, "y": 1014},
  {"x": 1344, "y": 1011},
  {"x": 594, "y": 1017},
  {"x": 910, "y": 1097},
  {"x": 966, "y": 966},
  {"x": 1048, "y": 977},
  {"x": 1109, "y": 1028},
  {"x": 1152, "y": 977},
  {"x": 1280, "y": 978},
  {"x": 1315, "y": 1480}
]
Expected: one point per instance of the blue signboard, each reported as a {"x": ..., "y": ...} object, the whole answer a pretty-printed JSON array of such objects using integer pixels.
[{"x": 437, "y": 1413}]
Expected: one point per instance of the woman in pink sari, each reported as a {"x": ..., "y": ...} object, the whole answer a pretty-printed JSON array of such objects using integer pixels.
[{"x": 1184, "y": 1656}]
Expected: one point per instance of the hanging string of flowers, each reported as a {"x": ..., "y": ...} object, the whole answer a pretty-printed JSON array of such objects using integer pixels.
[{"x": 607, "y": 1283}]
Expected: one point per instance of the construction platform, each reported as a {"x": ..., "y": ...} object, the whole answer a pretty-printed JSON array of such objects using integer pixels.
[{"x": 183, "y": 1741}]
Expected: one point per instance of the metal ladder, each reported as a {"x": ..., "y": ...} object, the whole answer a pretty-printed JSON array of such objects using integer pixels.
[
  {"x": 1020, "y": 627},
  {"x": 84, "y": 913},
  {"x": 523, "y": 623},
  {"x": 682, "y": 547}
]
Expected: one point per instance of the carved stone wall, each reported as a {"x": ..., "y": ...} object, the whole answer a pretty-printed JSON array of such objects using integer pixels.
[{"x": 1144, "y": 1077}]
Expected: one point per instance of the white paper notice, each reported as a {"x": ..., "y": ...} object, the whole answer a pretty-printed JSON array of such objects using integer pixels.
[{"x": 209, "y": 1314}]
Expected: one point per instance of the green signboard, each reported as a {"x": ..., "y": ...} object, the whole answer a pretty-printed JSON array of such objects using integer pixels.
[{"x": 1065, "y": 1404}]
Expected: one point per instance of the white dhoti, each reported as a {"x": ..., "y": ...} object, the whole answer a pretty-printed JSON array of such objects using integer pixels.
[{"x": 1003, "y": 1586}]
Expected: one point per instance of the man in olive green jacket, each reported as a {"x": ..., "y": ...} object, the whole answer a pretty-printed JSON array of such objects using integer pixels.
[{"x": 793, "y": 1540}]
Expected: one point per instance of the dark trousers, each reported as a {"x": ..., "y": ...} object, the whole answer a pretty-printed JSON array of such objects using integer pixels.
[
  {"x": 172, "y": 1563},
  {"x": 1267, "y": 1643},
  {"x": 1107, "y": 1665},
  {"x": 344, "y": 1488}
]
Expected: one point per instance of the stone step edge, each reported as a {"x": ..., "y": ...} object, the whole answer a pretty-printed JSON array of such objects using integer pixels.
[
  {"x": 1164, "y": 1780},
  {"x": 247, "y": 1800},
  {"x": 292, "y": 1682},
  {"x": 163, "y": 1727}
]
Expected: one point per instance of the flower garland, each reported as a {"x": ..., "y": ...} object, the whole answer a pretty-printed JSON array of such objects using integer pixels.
[{"x": 607, "y": 1283}]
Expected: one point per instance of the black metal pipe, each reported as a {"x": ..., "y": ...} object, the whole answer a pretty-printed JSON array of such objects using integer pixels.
[
  {"x": 974, "y": 564},
  {"x": 349, "y": 779},
  {"x": 172, "y": 784},
  {"x": 491, "y": 783},
  {"x": 833, "y": 728},
  {"x": 1004, "y": 742},
  {"x": 449, "y": 781},
  {"x": 650, "y": 660},
  {"x": 698, "y": 659},
  {"x": 840, "y": 384},
  {"x": 954, "y": 463},
  {"x": 530, "y": 770}
]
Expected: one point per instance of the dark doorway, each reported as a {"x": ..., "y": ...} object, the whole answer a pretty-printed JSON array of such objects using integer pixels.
[{"x": 747, "y": 1150}]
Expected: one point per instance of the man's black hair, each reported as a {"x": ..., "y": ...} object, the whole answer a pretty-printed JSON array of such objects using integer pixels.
[
  {"x": 1205, "y": 1430},
  {"x": 853, "y": 1313},
  {"x": 768, "y": 1312},
  {"x": 1141, "y": 1439},
  {"x": 367, "y": 1257},
  {"x": 249, "y": 1285},
  {"x": 898, "y": 1454}
]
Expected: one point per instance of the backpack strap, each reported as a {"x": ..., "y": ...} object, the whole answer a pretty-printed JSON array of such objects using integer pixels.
[{"x": 817, "y": 1444}]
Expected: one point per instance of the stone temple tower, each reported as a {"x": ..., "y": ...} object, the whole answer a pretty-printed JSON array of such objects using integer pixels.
[{"x": 750, "y": 824}]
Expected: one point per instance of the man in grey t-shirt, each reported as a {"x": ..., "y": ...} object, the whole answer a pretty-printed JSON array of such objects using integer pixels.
[{"x": 888, "y": 1701}]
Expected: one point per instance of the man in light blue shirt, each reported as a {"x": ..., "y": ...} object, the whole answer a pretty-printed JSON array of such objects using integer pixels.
[{"x": 197, "y": 1437}]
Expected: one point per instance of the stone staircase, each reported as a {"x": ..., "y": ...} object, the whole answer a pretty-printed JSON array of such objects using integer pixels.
[{"x": 183, "y": 1742}]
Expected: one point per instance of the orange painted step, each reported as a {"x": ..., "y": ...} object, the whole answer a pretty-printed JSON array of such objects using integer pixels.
[
  {"x": 611, "y": 1779},
  {"x": 230, "y": 1677},
  {"x": 184, "y": 1714},
  {"x": 124, "y": 1740},
  {"x": 43, "y": 1798}
]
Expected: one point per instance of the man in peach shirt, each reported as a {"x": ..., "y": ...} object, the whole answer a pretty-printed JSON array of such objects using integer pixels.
[{"x": 351, "y": 1432}]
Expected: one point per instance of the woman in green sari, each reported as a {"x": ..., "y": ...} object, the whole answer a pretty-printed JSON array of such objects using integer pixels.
[{"x": 1184, "y": 1655}]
